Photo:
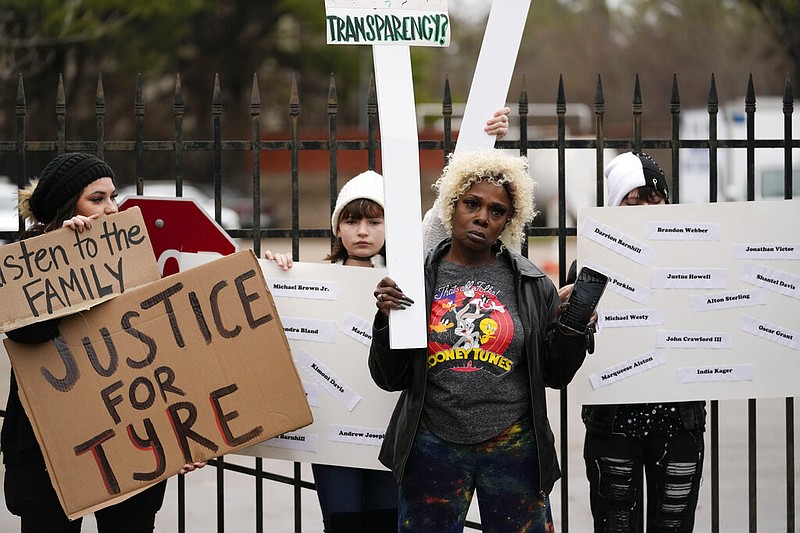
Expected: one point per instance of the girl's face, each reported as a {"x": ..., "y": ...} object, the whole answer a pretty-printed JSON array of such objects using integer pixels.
[
  {"x": 98, "y": 198},
  {"x": 480, "y": 216},
  {"x": 362, "y": 237}
]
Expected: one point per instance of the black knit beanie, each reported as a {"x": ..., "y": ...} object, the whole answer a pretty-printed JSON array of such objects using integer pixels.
[{"x": 63, "y": 178}]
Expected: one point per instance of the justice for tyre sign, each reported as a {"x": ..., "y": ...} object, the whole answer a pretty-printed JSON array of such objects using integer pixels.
[{"x": 177, "y": 370}]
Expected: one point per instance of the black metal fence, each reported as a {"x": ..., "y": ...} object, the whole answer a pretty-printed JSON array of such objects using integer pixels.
[{"x": 674, "y": 146}]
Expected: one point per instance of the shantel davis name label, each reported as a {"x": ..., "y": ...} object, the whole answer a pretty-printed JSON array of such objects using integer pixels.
[
  {"x": 695, "y": 374},
  {"x": 727, "y": 300},
  {"x": 627, "y": 369},
  {"x": 627, "y": 318},
  {"x": 356, "y": 328},
  {"x": 689, "y": 278},
  {"x": 356, "y": 435},
  {"x": 766, "y": 251},
  {"x": 771, "y": 332},
  {"x": 617, "y": 241},
  {"x": 682, "y": 231},
  {"x": 327, "y": 379},
  {"x": 624, "y": 286},
  {"x": 771, "y": 278},
  {"x": 693, "y": 339},
  {"x": 304, "y": 288},
  {"x": 294, "y": 440}
]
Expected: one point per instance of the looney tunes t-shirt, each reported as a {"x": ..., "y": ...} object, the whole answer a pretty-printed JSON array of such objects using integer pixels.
[{"x": 477, "y": 380}]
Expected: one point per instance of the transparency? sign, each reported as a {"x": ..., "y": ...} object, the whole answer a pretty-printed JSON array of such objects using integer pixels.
[{"x": 400, "y": 22}]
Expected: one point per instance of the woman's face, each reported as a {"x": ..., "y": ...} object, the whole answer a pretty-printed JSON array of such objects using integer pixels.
[
  {"x": 98, "y": 198},
  {"x": 480, "y": 216},
  {"x": 363, "y": 237}
]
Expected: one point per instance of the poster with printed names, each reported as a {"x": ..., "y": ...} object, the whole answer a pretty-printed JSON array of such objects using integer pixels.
[
  {"x": 327, "y": 311},
  {"x": 702, "y": 302}
]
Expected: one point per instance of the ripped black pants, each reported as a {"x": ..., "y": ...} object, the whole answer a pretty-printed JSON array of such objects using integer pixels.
[{"x": 673, "y": 468}]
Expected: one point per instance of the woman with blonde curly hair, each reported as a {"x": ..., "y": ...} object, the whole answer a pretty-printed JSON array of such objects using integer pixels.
[{"x": 472, "y": 414}]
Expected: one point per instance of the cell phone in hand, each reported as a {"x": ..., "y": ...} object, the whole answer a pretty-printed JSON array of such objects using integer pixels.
[{"x": 583, "y": 300}]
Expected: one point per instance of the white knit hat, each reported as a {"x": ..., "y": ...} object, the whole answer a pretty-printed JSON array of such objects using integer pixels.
[
  {"x": 631, "y": 170},
  {"x": 367, "y": 185}
]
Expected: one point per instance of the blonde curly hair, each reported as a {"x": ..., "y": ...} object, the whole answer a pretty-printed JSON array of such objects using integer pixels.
[{"x": 467, "y": 168}]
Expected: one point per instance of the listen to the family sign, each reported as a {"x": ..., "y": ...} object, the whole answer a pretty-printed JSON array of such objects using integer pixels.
[{"x": 403, "y": 22}]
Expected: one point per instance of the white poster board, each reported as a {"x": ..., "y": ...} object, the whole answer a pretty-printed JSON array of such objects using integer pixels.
[
  {"x": 493, "y": 72},
  {"x": 327, "y": 311},
  {"x": 702, "y": 303}
]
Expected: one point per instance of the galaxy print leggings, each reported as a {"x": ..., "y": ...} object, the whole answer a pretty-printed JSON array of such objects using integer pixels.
[{"x": 441, "y": 477}]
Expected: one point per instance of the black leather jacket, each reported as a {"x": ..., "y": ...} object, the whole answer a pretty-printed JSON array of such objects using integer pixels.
[{"x": 552, "y": 360}]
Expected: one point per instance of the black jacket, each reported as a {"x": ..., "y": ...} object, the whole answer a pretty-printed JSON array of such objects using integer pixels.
[{"x": 552, "y": 359}]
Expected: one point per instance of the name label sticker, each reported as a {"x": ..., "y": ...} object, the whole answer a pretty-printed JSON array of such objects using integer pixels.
[
  {"x": 695, "y": 374},
  {"x": 771, "y": 332},
  {"x": 356, "y": 328},
  {"x": 771, "y": 278},
  {"x": 327, "y": 379},
  {"x": 294, "y": 440},
  {"x": 694, "y": 339},
  {"x": 727, "y": 300},
  {"x": 689, "y": 278},
  {"x": 766, "y": 251},
  {"x": 309, "y": 329},
  {"x": 304, "y": 288},
  {"x": 617, "y": 241},
  {"x": 356, "y": 435},
  {"x": 627, "y": 369},
  {"x": 624, "y": 286},
  {"x": 682, "y": 231},
  {"x": 628, "y": 318}
]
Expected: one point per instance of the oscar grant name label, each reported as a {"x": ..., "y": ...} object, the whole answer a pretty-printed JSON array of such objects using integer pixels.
[
  {"x": 767, "y": 250},
  {"x": 771, "y": 332},
  {"x": 627, "y": 369},
  {"x": 295, "y": 440},
  {"x": 617, "y": 241},
  {"x": 727, "y": 300},
  {"x": 696, "y": 374},
  {"x": 689, "y": 278},
  {"x": 356, "y": 328},
  {"x": 624, "y": 286},
  {"x": 309, "y": 329},
  {"x": 716, "y": 340},
  {"x": 771, "y": 278},
  {"x": 312, "y": 289},
  {"x": 627, "y": 318},
  {"x": 327, "y": 379},
  {"x": 682, "y": 231},
  {"x": 356, "y": 435}
]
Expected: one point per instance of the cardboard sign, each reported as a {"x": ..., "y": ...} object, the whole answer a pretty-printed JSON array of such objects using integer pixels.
[
  {"x": 184, "y": 369},
  {"x": 699, "y": 304},
  {"x": 398, "y": 22},
  {"x": 64, "y": 271}
]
